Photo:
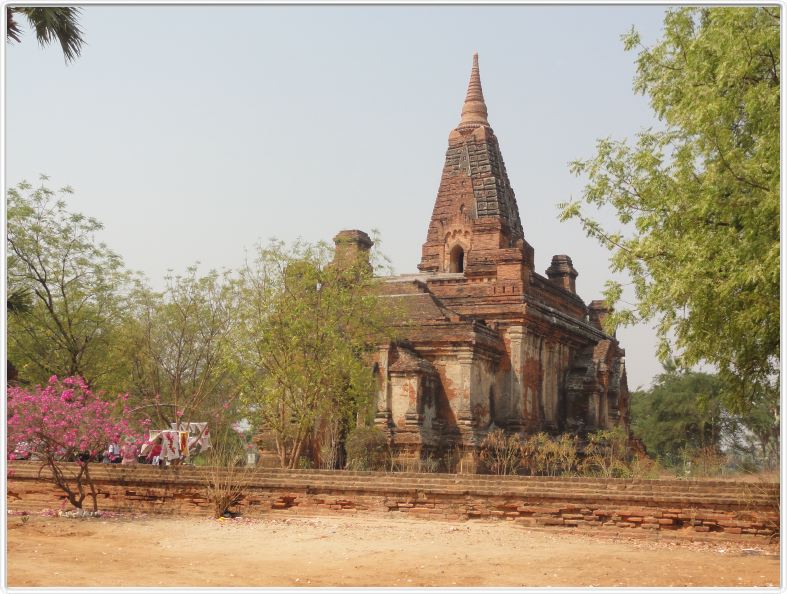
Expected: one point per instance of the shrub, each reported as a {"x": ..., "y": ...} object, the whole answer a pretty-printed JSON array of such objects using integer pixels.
[
  {"x": 702, "y": 462},
  {"x": 501, "y": 454},
  {"x": 427, "y": 463},
  {"x": 451, "y": 460},
  {"x": 305, "y": 463},
  {"x": 606, "y": 454},
  {"x": 430, "y": 464},
  {"x": 367, "y": 449},
  {"x": 225, "y": 473},
  {"x": 545, "y": 455},
  {"x": 642, "y": 466}
]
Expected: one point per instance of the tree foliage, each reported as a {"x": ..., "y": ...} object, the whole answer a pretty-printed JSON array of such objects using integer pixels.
[
  {"x": 309, "y": 325},
  {"x": 291, "y": 332},
  {"x": 179, "y": 344},
  {"x": 74, "y": 291},
  {"x": 683, "y": 415},
  {"x": 682, "y": 411},
  {"x": 49, "y": 24},
  {"x": 698, "y": 198}
]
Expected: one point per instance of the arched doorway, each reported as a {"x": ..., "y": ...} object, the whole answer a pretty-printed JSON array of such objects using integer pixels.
[{"x": 457, "y": 262}]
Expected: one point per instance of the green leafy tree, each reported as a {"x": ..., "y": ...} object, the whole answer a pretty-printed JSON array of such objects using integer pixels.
[
  {"x": 68, "y": 292},
  {"x": 17, "y": 302},
  {"x": 684, "y": 414},
  {"x": 49, "y": 24},
  {"x": 697, "y": 198},
  {"x": 308, "y": 328},
  {"x": 681, "y": 412},
  {"x": 179, "y": 344}
]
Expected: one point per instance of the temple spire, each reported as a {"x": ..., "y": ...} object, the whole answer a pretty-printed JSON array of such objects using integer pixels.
[{"x": 474, "y": 110}]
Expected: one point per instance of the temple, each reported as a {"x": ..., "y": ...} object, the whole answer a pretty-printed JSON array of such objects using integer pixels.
[{"x": 486, "y": 341}]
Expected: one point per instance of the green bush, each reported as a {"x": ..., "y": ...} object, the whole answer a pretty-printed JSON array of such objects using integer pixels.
[{"x": 367, "y": 449}]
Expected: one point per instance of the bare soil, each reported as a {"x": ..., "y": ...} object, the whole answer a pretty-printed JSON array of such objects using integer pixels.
[{"x": 361, "y": 551}]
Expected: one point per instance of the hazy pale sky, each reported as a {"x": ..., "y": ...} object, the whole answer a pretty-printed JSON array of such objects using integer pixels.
[{"x": 193, "y": 132}]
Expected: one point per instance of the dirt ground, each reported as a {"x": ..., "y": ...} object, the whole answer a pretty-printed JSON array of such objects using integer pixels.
[{"x": 360, "y": 551}]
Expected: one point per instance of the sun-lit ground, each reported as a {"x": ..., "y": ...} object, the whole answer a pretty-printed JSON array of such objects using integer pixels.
[{"x": 361, "y": 551}]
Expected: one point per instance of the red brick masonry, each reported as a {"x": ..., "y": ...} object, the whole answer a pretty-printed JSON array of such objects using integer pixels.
[{"x": 749, "y": 510}]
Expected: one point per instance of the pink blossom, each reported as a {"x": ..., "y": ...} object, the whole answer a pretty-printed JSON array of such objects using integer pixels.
[{"x": 66, "y": 413}]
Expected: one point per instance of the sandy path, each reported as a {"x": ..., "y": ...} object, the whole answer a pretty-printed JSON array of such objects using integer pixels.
[{"x": 359, "y": 551}]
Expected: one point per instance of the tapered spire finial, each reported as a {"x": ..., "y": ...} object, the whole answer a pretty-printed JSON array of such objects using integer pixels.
[{"x": 474, "y": 110}]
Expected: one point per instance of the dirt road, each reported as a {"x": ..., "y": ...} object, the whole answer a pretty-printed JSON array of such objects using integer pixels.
[{"x": 360, "y": 551}]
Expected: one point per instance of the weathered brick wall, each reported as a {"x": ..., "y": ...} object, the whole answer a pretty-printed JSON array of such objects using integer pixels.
[{"x": 749, "y": 510}]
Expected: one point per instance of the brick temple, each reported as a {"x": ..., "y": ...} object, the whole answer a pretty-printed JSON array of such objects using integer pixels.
[{"x": 488, "y": 342}]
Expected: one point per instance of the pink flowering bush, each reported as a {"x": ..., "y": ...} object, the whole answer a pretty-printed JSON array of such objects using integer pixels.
[{"x": 61, "y": 422}]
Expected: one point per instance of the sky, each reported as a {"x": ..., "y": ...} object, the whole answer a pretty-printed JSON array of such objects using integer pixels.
[{"x": 194, "y": 132}]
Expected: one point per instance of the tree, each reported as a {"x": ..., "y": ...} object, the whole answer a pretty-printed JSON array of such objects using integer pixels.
[
  {"x": 17, "y": 302},
  {"x": 308, "y": 328},
  {"x": 684, "y": 413},
  {"x": 64, "y": 421},
  {"x": 762, "y": 423},
  {"x": 49, "y": 24},
  {"x": 681, "y": 412},
  {"x": 179, "y": 348},
  {"x": 698, "y": 198},
  {"x": 78, "y": 291}
]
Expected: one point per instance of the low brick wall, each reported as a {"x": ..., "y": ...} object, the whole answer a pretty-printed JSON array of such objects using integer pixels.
[{"x": 749, "y": 510}]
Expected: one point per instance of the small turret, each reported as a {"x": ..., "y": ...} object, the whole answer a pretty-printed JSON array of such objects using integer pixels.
[
  {"x": 598, "y": 310},
  {"x": 562, "y": 273},
  {"x": 352, "y": 245}
]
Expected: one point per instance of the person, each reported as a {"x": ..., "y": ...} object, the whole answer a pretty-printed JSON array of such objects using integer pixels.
[
  {"x": 113, "y": 453},
  {"x": 154, "y": 457},
  {"x": 21, "y": 452},
  {"x": 130, "y": 451}
]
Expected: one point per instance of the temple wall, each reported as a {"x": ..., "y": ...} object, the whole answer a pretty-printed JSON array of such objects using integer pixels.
[
  {"x": 384, "y": 396},
  {"x": 455, "y": 387},
  {"x": 550, "y": 294},
  {"x": 525, "y": 387},
  {"x": 690, "y": 509},
  {"x": 484, "y": 386},
  {"x": 557, "y": 357},
  {"x": 515, "y": 407},
  {"x": 429, "y": 411},
  {"x": 533, "y": 380},
  {"x": 404, "y": 395}
]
